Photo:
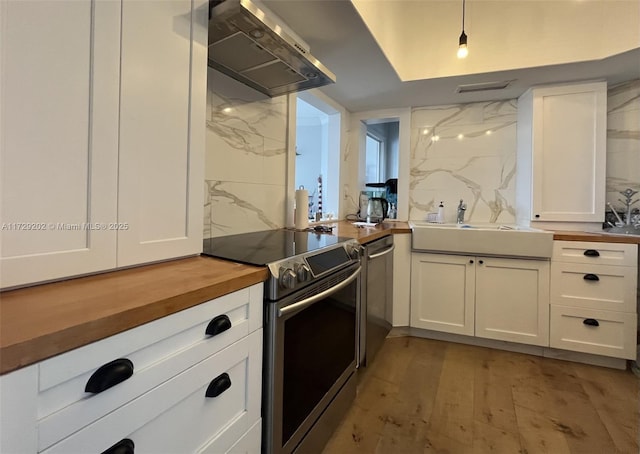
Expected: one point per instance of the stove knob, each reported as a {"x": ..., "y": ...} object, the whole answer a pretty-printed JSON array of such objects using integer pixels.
[
  {"x": 302, "y": 272},
  {"x": 354, "y": 251},
  {"x": 287, "y": 278}
]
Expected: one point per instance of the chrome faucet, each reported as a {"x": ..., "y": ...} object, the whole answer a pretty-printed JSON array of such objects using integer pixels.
[{"x": 461, "y": 209}]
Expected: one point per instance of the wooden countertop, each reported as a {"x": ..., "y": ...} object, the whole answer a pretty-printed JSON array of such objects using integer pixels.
[
  {"x": 367, "y": 234},
  {"x": 39, "y": 322},
  {"x": 596, "y": 237},
  {"x": 42, "y": 321}
]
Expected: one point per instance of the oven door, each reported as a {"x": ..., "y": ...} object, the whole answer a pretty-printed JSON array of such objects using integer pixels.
[{"x": 310, "y": 353}]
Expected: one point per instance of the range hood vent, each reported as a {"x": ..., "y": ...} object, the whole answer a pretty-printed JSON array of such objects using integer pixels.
[
  {"x": 484, "y": 86},
  {"x": 252, "y": 46}
]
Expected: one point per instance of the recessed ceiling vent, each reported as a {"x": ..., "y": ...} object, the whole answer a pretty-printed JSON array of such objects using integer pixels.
[{"x": 484, "y": 86}]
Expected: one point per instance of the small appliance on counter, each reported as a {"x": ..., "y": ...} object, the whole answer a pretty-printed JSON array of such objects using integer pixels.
[
  {"x": 387, "y": 191},
  {"x": 377, "y": 209}
]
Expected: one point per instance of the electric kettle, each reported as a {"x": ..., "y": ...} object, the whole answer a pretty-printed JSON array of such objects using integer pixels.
[{"x": 377, "y": 209}]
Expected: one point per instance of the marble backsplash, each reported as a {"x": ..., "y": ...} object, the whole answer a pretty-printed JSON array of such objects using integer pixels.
[
  {"x": 245, "y": 174},
  {"x": 468, "y": 152},
  {"x": 623, "y": 141},
  {"x": 463, "y": 151}
]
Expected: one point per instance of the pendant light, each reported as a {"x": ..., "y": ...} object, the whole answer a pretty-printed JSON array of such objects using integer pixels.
[{"x": 463, "y": 51}]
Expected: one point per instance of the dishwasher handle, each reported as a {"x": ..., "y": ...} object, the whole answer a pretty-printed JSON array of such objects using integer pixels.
[
  {"x": 322, "y": 295},
  {"x": 380, "y": 254}
]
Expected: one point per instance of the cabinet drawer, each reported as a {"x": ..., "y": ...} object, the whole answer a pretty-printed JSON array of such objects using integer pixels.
[
  {"x": 602, "y": 287},
  {"x": 249, "y": 443},
  {"x": 158, "y": 351},
  {"x": 177, "y": 417},
  {"x": 595, "y": 253},
  {"x": 614, "y": 336}
]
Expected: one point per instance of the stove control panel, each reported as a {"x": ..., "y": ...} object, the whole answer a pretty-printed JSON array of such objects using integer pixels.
[{"x": 296, "y": 272}]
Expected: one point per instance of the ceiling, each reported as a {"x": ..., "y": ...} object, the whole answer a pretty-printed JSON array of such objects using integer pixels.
[{"x": 366, "y": 80}]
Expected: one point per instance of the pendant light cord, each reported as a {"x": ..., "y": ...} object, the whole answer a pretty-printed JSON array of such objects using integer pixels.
[{"x": 463, "y": 7}]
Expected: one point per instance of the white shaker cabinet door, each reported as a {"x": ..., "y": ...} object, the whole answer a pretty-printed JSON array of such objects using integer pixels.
[
  {"x": 512, "y": 300},
  {"x": 162, "y": 127},
  {"x": 443, "y": 292},
  {"x": 59, "y": 138},
  {"x": 566, "y": 139}
]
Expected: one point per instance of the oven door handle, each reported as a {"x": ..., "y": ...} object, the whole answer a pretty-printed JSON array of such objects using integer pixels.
[{"x": 315, "y": 298}]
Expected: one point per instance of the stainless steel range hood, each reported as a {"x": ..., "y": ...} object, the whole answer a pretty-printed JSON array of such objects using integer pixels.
[{"x": 249, "y": 44}]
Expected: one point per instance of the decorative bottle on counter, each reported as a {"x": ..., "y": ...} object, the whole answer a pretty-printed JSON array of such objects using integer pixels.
[
  {"x": 393, "y": 212},
  {"x": 440, "y": 218}
]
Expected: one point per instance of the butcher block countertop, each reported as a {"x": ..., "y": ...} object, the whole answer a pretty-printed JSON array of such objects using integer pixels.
[
  {"x": 597, "y": 237},
  {"x": 368, "y": 234},
  {"x": 45, "y": 320},
  {"x": 42, "y": 321}
]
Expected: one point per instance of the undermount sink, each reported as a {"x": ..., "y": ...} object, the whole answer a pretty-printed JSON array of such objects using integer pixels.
[{"x": 482, "y": 238}]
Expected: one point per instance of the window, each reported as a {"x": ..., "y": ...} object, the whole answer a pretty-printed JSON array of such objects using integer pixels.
[
  {"x": 318, "y": 153},
  {"x": 374, "y": 161}
]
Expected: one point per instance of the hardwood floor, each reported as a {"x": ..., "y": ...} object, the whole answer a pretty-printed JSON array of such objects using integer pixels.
[{"x": 430, "y": 396}]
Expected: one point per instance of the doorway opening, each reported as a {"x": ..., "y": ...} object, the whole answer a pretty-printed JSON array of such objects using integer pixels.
[{"x": 317, "y": 160}]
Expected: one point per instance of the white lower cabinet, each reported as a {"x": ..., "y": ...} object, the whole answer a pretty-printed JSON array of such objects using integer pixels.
[
  {"x": 606, "y": 333},
  {"x": 186, "y": 383},
  {"x": 443, "y": 293},
  {"x": 512, "y": 300},
  {"x": 594, "y": 298},
  {"x": 496, "y": 298},
  {"x": 177, "y": 416}
]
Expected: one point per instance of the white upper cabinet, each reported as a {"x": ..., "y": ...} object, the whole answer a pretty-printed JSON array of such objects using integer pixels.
[
  {"x": 59, "y": 128},
  {"x": 162, "y": 129},
  {"x": 562, "y": 154},
  {"x": 102, "y": 125}
]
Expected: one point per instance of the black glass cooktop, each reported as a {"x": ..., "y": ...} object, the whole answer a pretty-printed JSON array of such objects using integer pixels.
[{"x": 262, "y": 248}]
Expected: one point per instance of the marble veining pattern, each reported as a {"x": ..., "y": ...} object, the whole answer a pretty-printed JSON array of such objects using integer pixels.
[
  {"x": 464, "y": 151},
  {"x": 246, "y": 159},
  {"x": 623, "y": 140}
]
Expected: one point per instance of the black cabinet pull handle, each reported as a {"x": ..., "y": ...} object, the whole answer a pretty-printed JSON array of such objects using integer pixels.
[
  {"x": 471, "y": 261},
  {"x": 218, "y": 385},
  {"x": 481, "y": 262},
  {"x": 591, "y": 277},
  {"x": 109, "y": 375},
  {"x": 537, "y": 216},
  {"x": 591, "y": 253},
  {"x": 591, "y": 322},
  {"x": 218, "y": 325},
  {"x": 124, "y": 446}
]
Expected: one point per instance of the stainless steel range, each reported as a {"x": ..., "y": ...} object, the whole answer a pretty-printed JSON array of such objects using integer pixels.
[{"x": 312, "y": 308}]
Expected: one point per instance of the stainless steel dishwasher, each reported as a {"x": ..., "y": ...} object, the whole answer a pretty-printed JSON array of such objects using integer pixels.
[{"x": 376, "y": 297}]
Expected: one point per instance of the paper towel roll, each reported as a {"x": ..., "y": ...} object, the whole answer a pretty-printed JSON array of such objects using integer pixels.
[{"x": 302, "y": 209}]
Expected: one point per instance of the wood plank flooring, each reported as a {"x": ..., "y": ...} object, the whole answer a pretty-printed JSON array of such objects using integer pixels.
[{"x": 428, "y": 396}]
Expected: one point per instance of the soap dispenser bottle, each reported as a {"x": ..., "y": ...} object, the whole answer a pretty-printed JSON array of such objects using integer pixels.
[{"x": 440, "y": 218}]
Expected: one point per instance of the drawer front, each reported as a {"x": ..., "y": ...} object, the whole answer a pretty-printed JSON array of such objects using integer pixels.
[
  {"x": 614, "y": 336},
  {"x": 595, "y": 253},
  {"x": 177, "y": 416},
  {"x": 602, "y": 287},
  {"x": 158, "y": 351},
  {"x": 249, "y": 443}
]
